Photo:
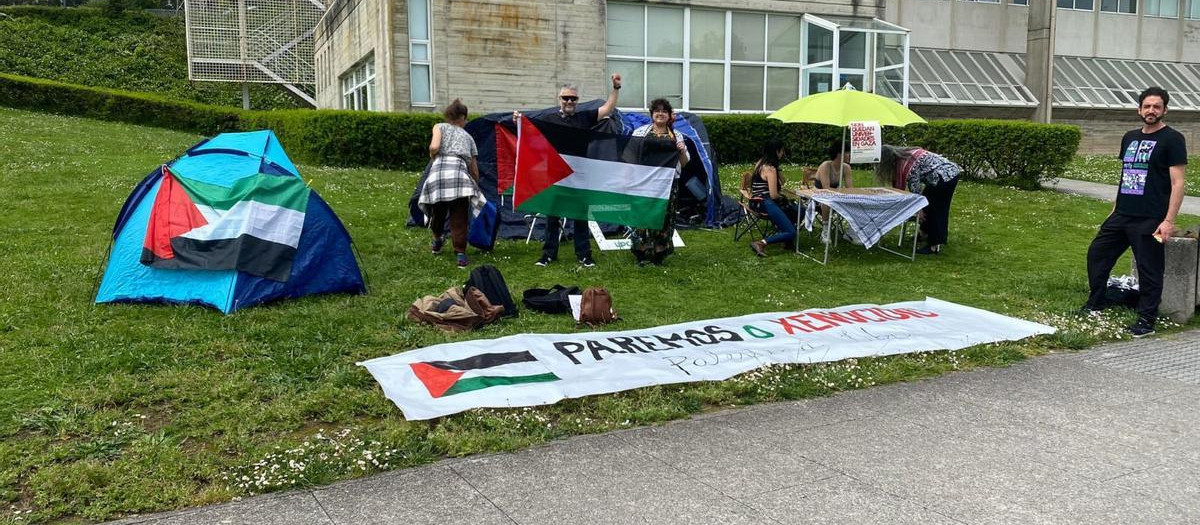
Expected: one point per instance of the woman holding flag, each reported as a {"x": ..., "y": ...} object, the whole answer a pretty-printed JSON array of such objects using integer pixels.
[
  {"x": 652, "y": 246},
  {"x": 451, "y": 189}
]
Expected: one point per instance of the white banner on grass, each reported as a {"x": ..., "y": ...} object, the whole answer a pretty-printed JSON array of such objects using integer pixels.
[{"x": 540, "y": 369}]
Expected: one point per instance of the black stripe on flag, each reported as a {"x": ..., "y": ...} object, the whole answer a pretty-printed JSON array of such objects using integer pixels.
[
  {"x": 245, "y": 253},
  {"x": 597, "y": 145},
  {"x": 484, "y": 361}
]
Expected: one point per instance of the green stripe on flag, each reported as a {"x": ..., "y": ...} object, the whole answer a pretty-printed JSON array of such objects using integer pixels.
[
  {"x": 478, "y": 383},
  {"x": 599, "y": 206},
  {"x": 277, "y": 190}
]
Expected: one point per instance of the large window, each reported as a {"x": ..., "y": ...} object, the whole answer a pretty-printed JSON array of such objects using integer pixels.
[
  {"x": 709, "y": 60},
  {"x": 1162, "y": 8},
  {"x": 420, "y": 54},
  {"x": 1082, "y": 5},
  {"x": 1119, "y": 6},
  {"x": 1193, "y": 9},
  {"x": 358, "y": 86}
]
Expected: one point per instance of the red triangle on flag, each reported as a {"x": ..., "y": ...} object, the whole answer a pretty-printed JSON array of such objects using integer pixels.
[
  {"x": 172, "y": 215},
  {"x": 506, "y": 158},
  {"x": 436, "y": 380},
  {"x": 539, "y": 165}
]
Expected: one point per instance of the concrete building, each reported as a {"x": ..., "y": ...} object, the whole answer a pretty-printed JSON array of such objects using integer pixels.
[{"x": 988, "y": 59}]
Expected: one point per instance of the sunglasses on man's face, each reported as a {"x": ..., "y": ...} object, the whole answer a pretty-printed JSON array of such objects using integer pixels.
[{"x": 567, "y": 98}]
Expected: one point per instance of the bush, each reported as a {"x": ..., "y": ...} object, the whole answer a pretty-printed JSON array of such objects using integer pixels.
[
  {"x": 740, "y": 138},
  {"x": 351, "y": 138},
  {"x": 120, "y": 106},
  {"x": 327, "y": 137},
  {"x": 1014, "y": 153},
  {"x": 1020, "y": 154}
]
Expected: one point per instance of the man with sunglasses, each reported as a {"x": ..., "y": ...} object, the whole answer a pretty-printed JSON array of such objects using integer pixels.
[{"x": 568, "y": 99}]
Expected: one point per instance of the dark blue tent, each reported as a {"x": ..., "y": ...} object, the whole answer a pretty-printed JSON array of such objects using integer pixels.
[{"x": 324, "y": 260}]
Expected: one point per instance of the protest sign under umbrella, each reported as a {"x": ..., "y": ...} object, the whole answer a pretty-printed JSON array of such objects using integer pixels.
[{"x": 846, "y": 105}]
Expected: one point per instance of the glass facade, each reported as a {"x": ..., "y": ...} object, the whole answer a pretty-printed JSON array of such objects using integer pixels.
[
  {"x": 741, "y": 61},
  {"x": 1110, "y": 83},
  {"x": 1162, "y": 8},
  {"x": 939, "y": 76}
]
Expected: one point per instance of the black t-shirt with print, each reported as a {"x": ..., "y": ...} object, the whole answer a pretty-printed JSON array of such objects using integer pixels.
[{"x": 1146, "y": 159}]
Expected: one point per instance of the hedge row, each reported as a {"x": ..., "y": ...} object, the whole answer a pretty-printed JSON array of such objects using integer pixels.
[
  {"x": 328, "y": 137},
  {"x": 1014, "y": 153},
  {"x": 1017, "y": 153}
]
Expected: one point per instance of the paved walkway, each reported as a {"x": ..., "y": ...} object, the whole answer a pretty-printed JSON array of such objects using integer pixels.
[
  {"x": 1111, "y": 435},
  {"x": 1191, "y": 205}
]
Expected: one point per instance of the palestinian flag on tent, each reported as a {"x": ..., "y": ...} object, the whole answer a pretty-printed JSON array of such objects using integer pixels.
[
  {"x": 446, "y": 378},
  {"x": 253, "y": 226},
  {"x": 589, "y": 175}
]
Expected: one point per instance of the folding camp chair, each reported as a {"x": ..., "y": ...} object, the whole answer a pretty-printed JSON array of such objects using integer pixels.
[
  {"x": 752, "y": 219},
  {"x": 532, "y": 220}
]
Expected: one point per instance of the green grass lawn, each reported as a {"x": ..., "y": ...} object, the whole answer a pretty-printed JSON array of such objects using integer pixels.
[
  {"x": 118, "y": 409},
  {"x": 1106, "y": 169}
]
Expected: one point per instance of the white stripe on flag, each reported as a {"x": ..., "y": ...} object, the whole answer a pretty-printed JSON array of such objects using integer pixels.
[
  {"x": 265, "y": 221},
  {"x": 619, "y": 177}
]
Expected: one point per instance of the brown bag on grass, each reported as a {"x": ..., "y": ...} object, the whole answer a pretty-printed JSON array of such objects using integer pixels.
[
  {"x": 478, "y": 302},
  {"x": 595, "y": 308},
  {"x": 454, "y": 311}
]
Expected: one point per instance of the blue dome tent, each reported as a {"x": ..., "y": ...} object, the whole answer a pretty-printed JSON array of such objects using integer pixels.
[{"x": 229, "y": 224}]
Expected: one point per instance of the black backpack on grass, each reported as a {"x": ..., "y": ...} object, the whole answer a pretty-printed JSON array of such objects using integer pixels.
[
  {"x": 489, "y": 281},
  {"x": 552, "y": 301}
]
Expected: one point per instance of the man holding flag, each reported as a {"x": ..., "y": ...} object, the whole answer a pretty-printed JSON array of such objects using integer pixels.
[
  {"x": 568, "y": 99},
  {"x": 562, "y": 170}
]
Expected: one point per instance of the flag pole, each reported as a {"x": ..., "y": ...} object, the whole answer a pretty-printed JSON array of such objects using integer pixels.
[{"x": 842, "y": 151}]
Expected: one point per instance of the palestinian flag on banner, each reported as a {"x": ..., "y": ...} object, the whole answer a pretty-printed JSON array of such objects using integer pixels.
[
  {"x": 253, "y": 226},
  {"x": 446, "y": 378},
  {"x": 589, "y": 175}
]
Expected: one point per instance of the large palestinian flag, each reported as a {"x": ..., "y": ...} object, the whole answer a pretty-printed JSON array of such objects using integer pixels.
[
  {"x": 588, "y": 175},
  {"x": 446, "y": 378},
  {"x": 253, "y": 226}
]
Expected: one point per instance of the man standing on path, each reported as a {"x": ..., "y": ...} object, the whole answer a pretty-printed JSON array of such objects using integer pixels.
[
  {"x": 568, "y": 99},
  {"x": 1153, "y": 163}
]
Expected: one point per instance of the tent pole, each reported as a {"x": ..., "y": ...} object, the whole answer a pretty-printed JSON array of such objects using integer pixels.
[
  {"x": 842, "y": 165},
  {"x": 100, "y": 270}
]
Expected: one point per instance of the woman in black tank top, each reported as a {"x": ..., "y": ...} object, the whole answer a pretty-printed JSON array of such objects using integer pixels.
[
  {"x": 766, "y": 184},
  {"x": 837, "y": 164}
]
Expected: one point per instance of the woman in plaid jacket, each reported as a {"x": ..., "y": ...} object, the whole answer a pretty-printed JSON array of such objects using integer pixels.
[{"x": 451, "y": 190}]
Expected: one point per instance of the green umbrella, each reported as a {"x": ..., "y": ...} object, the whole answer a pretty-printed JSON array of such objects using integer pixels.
[
  {"x": 846, "y": 105},
  {"x": 839, "y": 108}
]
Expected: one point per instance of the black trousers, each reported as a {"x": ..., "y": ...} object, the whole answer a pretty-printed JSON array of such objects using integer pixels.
[
  {"x": 581, "y": 235},
  {"x": 1118, "y": 233},
  {"x": 937, "y": 213}
]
